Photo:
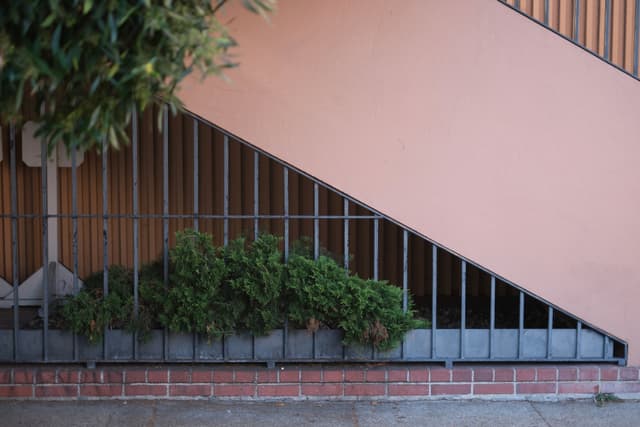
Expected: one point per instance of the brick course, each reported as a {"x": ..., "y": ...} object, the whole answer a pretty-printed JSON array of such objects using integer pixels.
[{"x": 315, "y": 381}]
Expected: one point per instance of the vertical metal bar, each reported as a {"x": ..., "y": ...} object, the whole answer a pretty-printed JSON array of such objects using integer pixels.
[
  {"x": 578, "y": 339},
  {"x": 14, "y": 242},
  {"x": 636, "y": 27},
  {"x": 74, "y": 232},
  {"x": 196, "y": 173},
  {"x": 576, "y": 20},
  {"x": 550, "y": 333},
  {"x": 605, "y": 347},
  {"x": 136, "y": 211},
  {"x": 45, "y": 249},
  {"x": 226, "y": 190},
  {"x": 376, "y": 247},
  {"x": 546, "y": 12},
  {"x": 225, "y": 348},
  {"x": 196, "y": 203},
  {"x": 314, "y": 346},
  {"x": 625, "y": 354},
  {"x": 405, "y": 270},
  {"x": 256, "y": 194},
  {"x": 492, "y": 316},
  {"x": 345, "y": 235},
  {"x": 316, "y": 221},
  {"x": 607, "y": 30},
  {"x": 516, "y": 4},
  {"x": 165, "y": 217},
  {"x": 253, "y": 346},
  {"x": 434, "y": 299},
  {"x": 286, "y": 212},
  {"x": 285, "y": 337},
  {"x": 463, "y": 306},
  {"x": 105, "y": 239},
  {"x": 520, "y": 323}
]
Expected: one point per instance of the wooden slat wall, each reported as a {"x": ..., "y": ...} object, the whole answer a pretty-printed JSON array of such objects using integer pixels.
[
  {"x": 29, "y": 202},
  {"x": 591, "y": 25}
]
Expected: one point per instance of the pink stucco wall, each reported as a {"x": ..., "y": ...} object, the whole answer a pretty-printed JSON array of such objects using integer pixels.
[{"x": 463, "y": 121}]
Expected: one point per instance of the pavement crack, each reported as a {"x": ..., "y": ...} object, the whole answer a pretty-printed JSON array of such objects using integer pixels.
[{"x": 539, "y": 414}]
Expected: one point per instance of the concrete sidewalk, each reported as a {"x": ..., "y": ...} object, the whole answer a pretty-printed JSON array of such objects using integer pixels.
[{"x": 363, "y": 413}]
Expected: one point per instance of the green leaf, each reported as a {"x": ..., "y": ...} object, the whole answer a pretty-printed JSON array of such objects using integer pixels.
[
  {"x": 94, "y": 117},
  {"x": 55, "y": 40},
  {"x": 95, "y": 84},
  {"x": 113, "y": 70},
  {"x": 88, "y": 4},
  {"x": 127, "y": 15},
  {"x": 113, "y": 139},
  {"x": 19, "y": 95},
  {"x": 48, "y": 20},
  {"x": 41, "y": 65},
  {"x": 113, "y": 28}
]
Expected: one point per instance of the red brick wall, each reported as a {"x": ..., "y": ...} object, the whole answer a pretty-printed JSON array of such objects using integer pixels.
[{"x": 302, "y": 382}]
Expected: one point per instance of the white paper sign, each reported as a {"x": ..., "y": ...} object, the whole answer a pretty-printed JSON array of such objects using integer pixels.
[{"x": 31, "y": 150}]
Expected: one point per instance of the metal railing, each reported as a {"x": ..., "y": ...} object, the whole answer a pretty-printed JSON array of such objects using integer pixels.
[{"x": 440, "y": 343}]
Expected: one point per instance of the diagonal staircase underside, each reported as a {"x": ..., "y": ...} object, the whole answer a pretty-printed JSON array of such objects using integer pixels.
[{"x": 468, "y": 124}]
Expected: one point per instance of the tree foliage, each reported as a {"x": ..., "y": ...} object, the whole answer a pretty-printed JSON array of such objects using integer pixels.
[{"x": 92, "y": 63}]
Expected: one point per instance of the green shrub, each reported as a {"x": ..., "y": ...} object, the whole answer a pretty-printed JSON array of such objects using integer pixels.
[
  {"x": 374, "y": 314},
  {"x": 196, "y": 301},
  {"x": 120, "y": 280},
  {"x": 244, "y": 286},
  {"x": 314, "y": 292},
  {"x": 87, "y": 313},
  {"x": 151, "y": 297},
  {"x": 255, "y": 275},
  {"x": 320, "y": 294}
]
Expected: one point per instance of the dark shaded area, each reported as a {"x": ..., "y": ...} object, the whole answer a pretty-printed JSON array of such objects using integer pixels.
[
  {"x": 26, "y": 315},
  {"x": 478, "y": 313}
]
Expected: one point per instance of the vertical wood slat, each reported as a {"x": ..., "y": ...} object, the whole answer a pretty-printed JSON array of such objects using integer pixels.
[
  {"x": 617, "y": 33},
  {"x": 6, "y": 257},
  {"x": 628, "y": 18},
  {"x": 245, "y": 227},
  {"x": 565, "y": 18},
  {"x": 537, "y": 10}
]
